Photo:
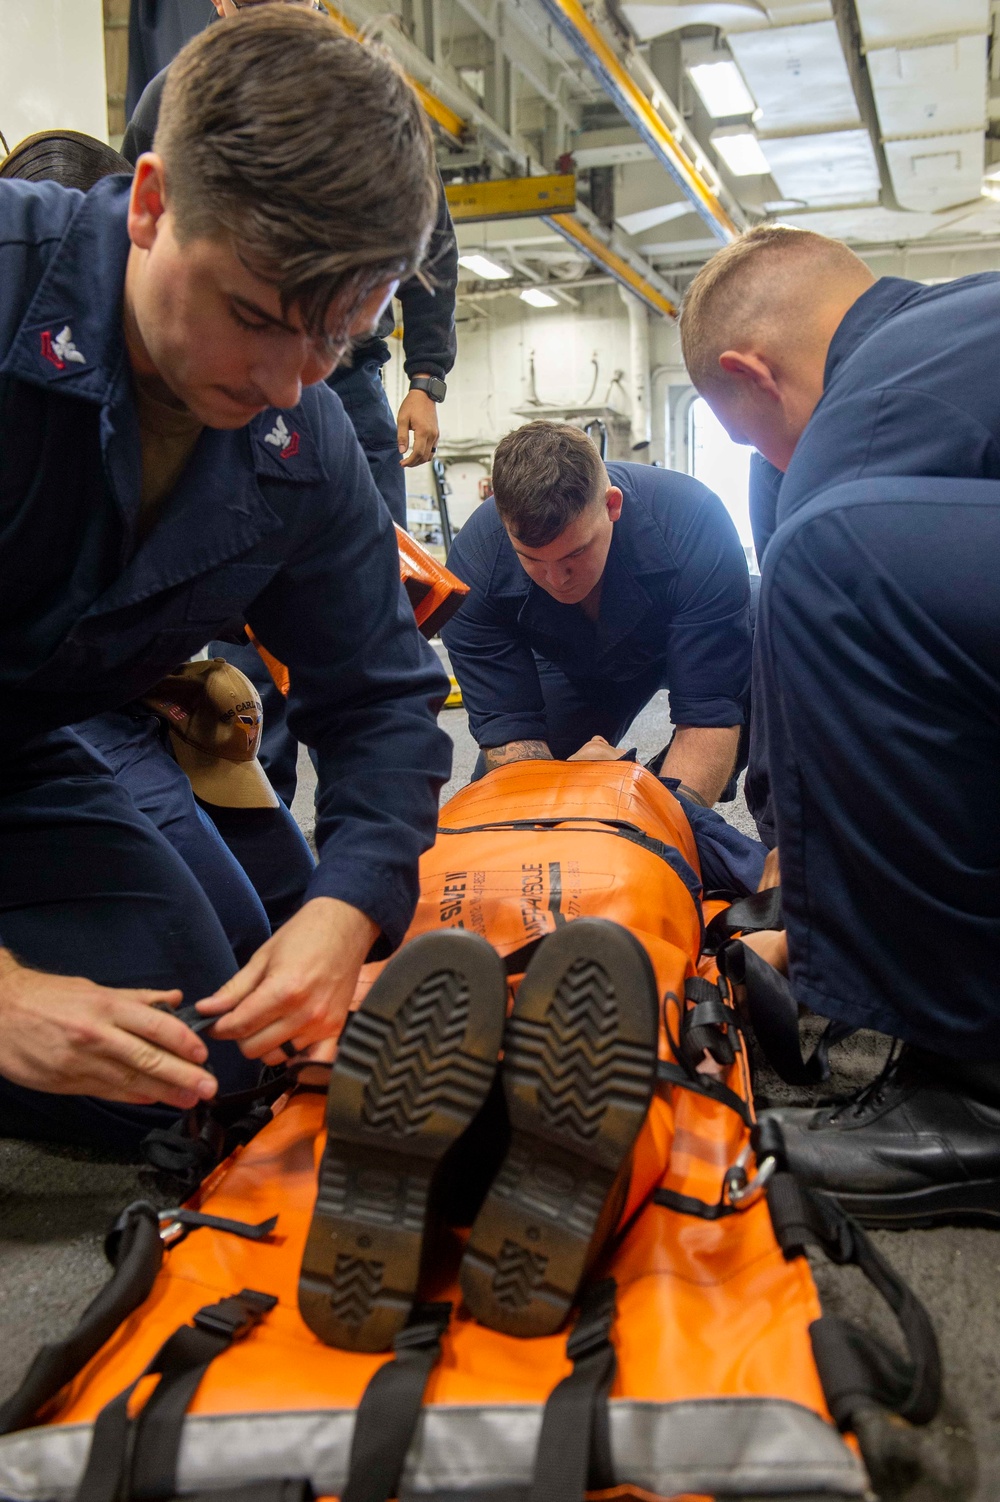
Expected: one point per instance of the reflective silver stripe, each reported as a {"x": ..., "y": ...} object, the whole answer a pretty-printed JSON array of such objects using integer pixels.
[{"x": 744, "y": 1446}]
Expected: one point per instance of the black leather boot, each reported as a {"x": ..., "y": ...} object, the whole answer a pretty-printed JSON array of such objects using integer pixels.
[{"x": 919, "y": 1145}]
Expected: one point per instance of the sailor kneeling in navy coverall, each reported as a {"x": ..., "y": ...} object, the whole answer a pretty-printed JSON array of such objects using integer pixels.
[
  {"x": 878, "y": 679},
  {"x": 219, "y": 812},
  {"x": 591, "y": 588},
  {"x": 124, "y": 549}
]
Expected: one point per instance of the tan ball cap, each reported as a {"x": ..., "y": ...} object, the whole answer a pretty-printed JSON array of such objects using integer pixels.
[{"x": 215, "y": 718}]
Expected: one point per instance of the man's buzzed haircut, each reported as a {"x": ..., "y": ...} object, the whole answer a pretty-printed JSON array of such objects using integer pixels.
[
  {"x": 308, "y": 152},
  {"x": 765, "y": 279},
  {"x": 544, "y": 475}
]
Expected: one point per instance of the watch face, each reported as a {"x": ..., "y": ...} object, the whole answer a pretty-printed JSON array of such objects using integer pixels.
[{"x": 432, "y": 385}]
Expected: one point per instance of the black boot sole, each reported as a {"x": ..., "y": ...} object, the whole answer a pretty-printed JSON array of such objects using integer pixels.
[
  {"x": 414, "y": 1065},
  {"x": 578, "y": 1072},
  {"x": 975, "y": 1202}
]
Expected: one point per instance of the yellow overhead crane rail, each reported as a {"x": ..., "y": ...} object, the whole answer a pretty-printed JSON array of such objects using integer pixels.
[
  {"x": 577, "y": 233},
  {"x": 511, "y": 197},
  {"x": 588, "y": 43},
  {"x": 442, "y": 114},
  {"x": 565, "y": 224}
]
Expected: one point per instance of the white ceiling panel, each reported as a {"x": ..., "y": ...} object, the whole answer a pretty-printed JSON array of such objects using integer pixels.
[
  {"x": 798, "y": 76},
  {"x": 936, "y": 172},
  {"x": 661, "y": 16},
  {"x": 934, "y": 89},
  {"x": 787, "y": 13},
  {"x": 886, "y": 22},
  {"x": 836, "y": 167},
  {"x": 864, "y": 226}
]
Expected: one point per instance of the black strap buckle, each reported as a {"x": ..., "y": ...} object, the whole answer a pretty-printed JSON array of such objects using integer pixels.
[
  {"x": 236, "y": 1316},
  {"x": 593, "y": 1328},
  {"x": 424, "y": 1329}
]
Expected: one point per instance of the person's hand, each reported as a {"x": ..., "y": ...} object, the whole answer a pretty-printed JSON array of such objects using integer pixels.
[
  {"x": 299, "y": 985},
  {"x": 417, "y": 416},
  {"x": 70, "y": 1036},
  {"x": 597, "y": 749},
  {"x": 772, "y": 871}
]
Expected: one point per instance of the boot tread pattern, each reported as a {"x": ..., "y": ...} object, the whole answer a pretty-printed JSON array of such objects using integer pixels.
[
  {"x": 580, "y": 1063},
  {"x": 518, "y": 1273},
  {"x": 354, "y": 1288},
  {"x": 413, "y": 1064},
  {"x": 376, "y": 1196}
]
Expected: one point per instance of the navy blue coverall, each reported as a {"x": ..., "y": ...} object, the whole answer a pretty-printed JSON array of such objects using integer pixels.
[
  {"x": 289, "y": 535},
  {"x": 879, "y": 643},
  {"x": 674, "y": 614}
]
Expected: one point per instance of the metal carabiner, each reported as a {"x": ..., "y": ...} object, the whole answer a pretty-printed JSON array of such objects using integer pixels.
[
  {"x": 171, "y": 1230},
  {"x": 740, "y": 1189}
]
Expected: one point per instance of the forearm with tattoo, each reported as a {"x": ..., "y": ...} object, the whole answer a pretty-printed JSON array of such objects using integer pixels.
[{"x": 502, "y": 756}]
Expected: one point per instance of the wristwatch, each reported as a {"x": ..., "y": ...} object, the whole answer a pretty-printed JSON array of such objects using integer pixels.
[{"x": 431, "y": 386}]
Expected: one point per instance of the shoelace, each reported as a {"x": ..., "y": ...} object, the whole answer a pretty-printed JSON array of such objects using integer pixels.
[{"x": 871, "y": 1095}]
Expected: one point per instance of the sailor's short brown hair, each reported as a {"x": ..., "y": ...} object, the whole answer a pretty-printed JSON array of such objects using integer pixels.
[
  {"x": 544, "y": 475},
  {"x": 307, "y": 151},
  {"x": 761, "y": 277}
]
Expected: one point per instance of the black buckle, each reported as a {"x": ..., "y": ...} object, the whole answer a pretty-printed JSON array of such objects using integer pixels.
[
  {"x": 236, "y": 1316},
  {"x": 592, "y": 1330},
  {"x": 423, "y": 1331}
]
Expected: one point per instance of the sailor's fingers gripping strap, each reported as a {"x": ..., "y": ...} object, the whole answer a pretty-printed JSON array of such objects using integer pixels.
[
  {"x": 856, "y": 1370},
  {"x": 135, "y": 1249}
]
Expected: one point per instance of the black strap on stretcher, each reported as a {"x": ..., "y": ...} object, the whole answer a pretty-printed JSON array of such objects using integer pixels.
[
  {"x": 747, "y": 915},
  {"x": 574, "y": 1447},
  {"x": 135, "y": 1250},
  {"x": 134, "y": 1246},
  {"x": 772, "y": 1012},
  {"x": 389, "y": 1410},
  {"x": 861, "y": 1377},
  {"x": 135, "y": 1460}
]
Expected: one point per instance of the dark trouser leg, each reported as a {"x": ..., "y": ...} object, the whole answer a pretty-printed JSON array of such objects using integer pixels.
[
  {"x": 880, "y": 661},
  {"x": 366, "y": 404},
  {"x": 89, "y": 887},
  {"x": 271, "y": 849},
  {"x": 279, "y": 750},
  {"x": 133, "y": 744}
]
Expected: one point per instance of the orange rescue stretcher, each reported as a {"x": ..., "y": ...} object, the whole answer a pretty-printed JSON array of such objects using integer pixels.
[
  {"x": 433, "y": 591},
  {"x": 699, "y": 1364}
]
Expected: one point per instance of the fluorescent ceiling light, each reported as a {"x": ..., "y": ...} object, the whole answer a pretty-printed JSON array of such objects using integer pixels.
[
  {"x": 490, "y": 271},
  {"x": 722, "y": 89},
  {"x": 740, "y": 150},
  {"x": 539, "y": 299}
]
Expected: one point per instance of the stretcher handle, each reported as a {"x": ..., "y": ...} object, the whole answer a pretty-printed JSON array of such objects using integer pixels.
[
  {"x": 136, "y": 1251},
  {"x": 858, "y": 1371}
]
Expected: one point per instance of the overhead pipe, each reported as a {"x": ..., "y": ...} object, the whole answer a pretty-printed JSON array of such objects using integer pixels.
[
  {"x": 639, "y": 371},
  {"x": 588, "y": 43}
]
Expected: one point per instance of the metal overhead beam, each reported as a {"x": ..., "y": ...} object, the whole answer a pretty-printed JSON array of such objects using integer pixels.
[
  {"x": 581, "y": 230},
  {"x": 511, "y": 198},
  {"x": 647, "y": 285},
  {"x": 578, "y": 29},
  {"x": 450, "y": 121}
]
